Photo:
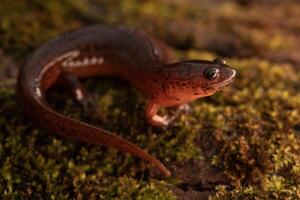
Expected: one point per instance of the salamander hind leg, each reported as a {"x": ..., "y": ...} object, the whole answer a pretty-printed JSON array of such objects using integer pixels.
[
  {"x": 152, "y": 117},
  {"x": 72, "y": 83}
]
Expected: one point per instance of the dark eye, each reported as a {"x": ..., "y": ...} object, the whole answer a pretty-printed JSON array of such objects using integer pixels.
[{"x": 211, "y": 73}]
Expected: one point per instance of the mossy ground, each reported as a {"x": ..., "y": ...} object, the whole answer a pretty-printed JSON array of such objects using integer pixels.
[{"x": 249, "y": 132}]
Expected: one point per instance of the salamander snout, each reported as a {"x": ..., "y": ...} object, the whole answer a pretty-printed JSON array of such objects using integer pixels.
[
  {"x": 189, "y": 80},
  {"x": 225, "y": 76}
]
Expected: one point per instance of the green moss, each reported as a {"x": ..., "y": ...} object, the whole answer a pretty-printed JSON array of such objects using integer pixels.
[
  {"x": 34, "y": 164},
  {"x": 24, "y": 25},
  {"x": 249, "y": 131},
  {"x": 260, "y": 147}
]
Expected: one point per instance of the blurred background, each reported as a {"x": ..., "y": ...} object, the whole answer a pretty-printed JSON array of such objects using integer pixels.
[{"x": 241, "y": 143}]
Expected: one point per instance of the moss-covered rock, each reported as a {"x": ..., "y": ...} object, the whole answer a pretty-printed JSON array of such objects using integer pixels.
[{"x": 241, "y": 143}]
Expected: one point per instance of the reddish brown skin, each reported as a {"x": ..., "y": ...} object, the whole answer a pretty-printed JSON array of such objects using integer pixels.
[{"x": 125, "y": 53}]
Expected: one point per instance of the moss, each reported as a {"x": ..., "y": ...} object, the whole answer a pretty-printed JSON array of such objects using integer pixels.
[
  {"x": 249, "y": 131},
  {"x": 260, "y": 147},
  {"x": 24, "y": 25},
  {"x": 34, "y": 164}
]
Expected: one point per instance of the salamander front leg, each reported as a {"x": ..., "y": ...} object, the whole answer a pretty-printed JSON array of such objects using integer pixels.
[
  {"x": 72, "y": 83},
  {"x": 184, "y": 108},
  {"x": 152, "y": 117}
]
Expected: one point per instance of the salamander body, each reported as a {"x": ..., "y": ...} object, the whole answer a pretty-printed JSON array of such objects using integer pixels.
[{"x": 122, "y": 52}]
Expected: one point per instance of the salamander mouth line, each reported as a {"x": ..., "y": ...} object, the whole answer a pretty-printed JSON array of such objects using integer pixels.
[{"x": 226, "y": 82}]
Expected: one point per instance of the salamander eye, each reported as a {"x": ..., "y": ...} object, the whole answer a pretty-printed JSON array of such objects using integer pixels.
[{"x": 211, "y": 73}]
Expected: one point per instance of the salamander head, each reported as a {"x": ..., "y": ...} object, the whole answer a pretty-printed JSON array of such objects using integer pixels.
[
  {"x": 213, "y": 77},
  {"x": 193, "y": 79}
]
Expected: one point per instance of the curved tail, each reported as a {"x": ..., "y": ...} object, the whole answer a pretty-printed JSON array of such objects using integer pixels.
[{"x": 52, "y": 121}]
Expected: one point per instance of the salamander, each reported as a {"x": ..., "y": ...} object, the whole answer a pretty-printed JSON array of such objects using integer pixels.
[{"x": 123, "y": 52}]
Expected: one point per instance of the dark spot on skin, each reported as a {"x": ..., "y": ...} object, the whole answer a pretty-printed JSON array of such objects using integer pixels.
[
  {"x": 196, "y": 93},
  {"x": 204, "y": 87}
]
